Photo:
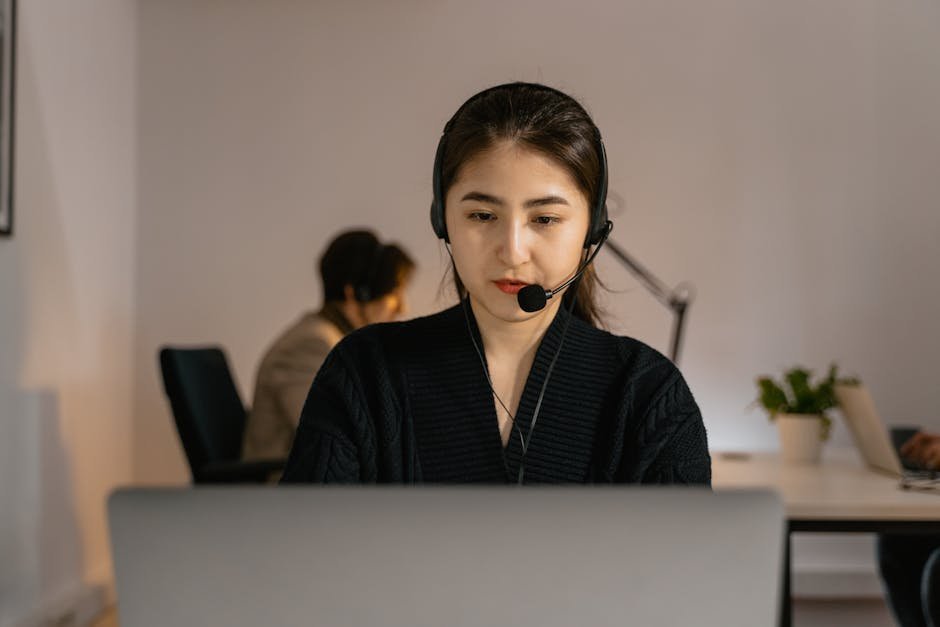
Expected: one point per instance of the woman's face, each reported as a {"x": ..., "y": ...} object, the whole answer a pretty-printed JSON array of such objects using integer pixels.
[{"x": 514, "y": 217}]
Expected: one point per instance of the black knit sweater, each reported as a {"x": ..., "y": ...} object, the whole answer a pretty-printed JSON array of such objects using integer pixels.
[{"x": 409, "y": 402}]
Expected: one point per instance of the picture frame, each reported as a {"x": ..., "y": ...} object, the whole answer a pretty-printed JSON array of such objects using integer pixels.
[{"x": 7, "y": 112}]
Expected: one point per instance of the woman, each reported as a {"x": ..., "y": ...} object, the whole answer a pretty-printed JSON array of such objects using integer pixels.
[
  {"x": 363, "y": 283},
  {"x": 485, "y": 391}
]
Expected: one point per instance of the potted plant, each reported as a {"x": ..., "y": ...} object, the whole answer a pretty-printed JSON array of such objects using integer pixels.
[{"x": 800, "y": 408}]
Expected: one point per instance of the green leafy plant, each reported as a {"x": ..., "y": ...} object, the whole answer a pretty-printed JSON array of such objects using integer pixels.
[{"x": 798, "y": 394}]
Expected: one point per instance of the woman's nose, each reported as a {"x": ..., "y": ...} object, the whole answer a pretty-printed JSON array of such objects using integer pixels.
[{"x": 513, "y": 245}]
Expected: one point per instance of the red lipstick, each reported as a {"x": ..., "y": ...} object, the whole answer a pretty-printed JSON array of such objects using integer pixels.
[{"x": 509, "y": 287}]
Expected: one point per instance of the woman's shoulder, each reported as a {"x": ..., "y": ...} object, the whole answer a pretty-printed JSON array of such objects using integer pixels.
[{"x": 627, "y": 354}]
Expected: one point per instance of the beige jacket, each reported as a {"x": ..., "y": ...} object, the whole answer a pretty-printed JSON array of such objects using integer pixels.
[{"x": 284, "y": 378}]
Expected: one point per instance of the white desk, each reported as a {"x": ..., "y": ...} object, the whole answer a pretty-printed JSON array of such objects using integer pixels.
[
  {"x": 839, "y": 488},
  {"x": 838, "y": 495}
]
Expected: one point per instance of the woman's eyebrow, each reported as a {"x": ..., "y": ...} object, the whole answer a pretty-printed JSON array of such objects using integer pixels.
[
  {"x": 529, "y": 204},
  {"x": 484, "y": 198},
  {"x": 545, "y": 200}
]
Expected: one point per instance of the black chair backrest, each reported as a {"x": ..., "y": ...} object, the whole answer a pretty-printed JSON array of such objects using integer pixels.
[{"x": 209, "y": 413}]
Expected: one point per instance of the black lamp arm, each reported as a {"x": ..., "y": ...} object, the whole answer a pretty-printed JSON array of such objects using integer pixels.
[{"x": 677, "y": 300}]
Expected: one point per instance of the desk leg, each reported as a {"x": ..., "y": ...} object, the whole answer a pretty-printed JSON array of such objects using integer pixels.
[{"x": 786, "y": 600}]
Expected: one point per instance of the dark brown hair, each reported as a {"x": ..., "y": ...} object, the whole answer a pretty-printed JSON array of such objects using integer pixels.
[
  {"x": 542, "y": 119},
  {"x": 359, "y": 259}
]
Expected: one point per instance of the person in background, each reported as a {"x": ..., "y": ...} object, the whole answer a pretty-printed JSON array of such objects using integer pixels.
[
  {"x": 923, "y": 450},
  {"x": 364, "y": 282},
  {"x": 910, "y": 564}
]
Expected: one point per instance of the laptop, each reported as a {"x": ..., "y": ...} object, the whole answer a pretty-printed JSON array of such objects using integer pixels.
[
  {"x": 869, "y": 433},
  {"x": 456, "y": 557}
]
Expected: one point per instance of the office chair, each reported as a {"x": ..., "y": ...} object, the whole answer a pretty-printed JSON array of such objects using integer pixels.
[{"x": 210, "y": 417}]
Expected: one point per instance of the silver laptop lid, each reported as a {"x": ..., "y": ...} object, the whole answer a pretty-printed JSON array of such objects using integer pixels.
[
  {"x": 397, "y": 557},
  {"x": 868, "y": 431}
]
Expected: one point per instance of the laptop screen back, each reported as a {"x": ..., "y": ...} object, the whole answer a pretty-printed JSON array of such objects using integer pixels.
[
  {"x": 397, "y": 557},
  {"x": 868, "y": 431}
]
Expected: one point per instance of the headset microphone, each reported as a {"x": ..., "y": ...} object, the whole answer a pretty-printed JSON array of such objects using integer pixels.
[{"x": 534, "y": 297}]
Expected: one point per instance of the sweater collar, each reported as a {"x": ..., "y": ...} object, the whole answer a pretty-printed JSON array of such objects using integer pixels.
[
  {"x": 552, "y": 336},
  {"x": 466, "y": 427}
]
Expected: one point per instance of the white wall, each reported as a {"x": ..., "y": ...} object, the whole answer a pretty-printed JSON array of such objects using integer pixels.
[
  {"x": 782, "y": 156},
  {"x": 66, "y": 306}
]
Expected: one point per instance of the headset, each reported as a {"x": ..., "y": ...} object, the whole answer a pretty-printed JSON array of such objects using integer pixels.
[
  {"x": 363, "y": 291},
  {"x": 598, "y": 225}
]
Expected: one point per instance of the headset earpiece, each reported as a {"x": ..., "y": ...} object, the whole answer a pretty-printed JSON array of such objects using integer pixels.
[
  {"x": 437, "y": 203},
  {"x": 599, "y": 212},
  {"x": 363, "y": 292}
]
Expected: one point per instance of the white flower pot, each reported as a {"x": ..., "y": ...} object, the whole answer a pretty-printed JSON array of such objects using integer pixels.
[{"x": 800, "y": 438}]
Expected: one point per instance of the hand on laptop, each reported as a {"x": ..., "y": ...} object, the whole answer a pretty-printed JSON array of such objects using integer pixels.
[{"x": 923, "y": 449}]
